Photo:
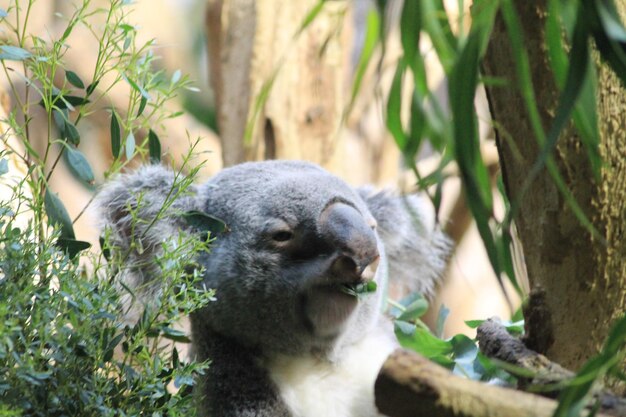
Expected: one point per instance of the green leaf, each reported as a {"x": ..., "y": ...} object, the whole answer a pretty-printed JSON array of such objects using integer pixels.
[
  {"x": 175, "y": 335},
  {"x": 435, "y": 23},
  {"x": 424, "y": 343},
  {"x": 414, "y": 310},
  {"x": 142, "y": 105},
  {"x": 441, "y": 319},
  {"x": 526, "y": 89},
  {"x": 176, "y": 76},
  {"x": 13, "y": 53},
  {"x": 116, "y": 143},
  {"x": 71, "y": 133},
  {"x": 72, "y": 247},
  {"x": 310, "y": 16},
  {"x": 394, "y": 108},
  {"x": 130, "y": 145},
  {"x": 66, "y": 102},
  {"x": 473, "y": 324},
  {"x": 575, "y": 79},
  {"x": 91, "y": 87},
  {"x": 4, "y": 166},
  {"x": 359, "y": 290},
  {"x": 462, "y": 87},
  {"x": 57, "y": 215},
  {"x": 464, "y": 353},
  {"x": 137, "y": 88},
  {"x": 372, "y": 39},
  {"x": 79, "y": 166},
  {"x": 154, "y": 146},
  {"x": 204, "y": 222},
  {"x": 410, "y": 29},
  {"x": 74, "y": 79}
]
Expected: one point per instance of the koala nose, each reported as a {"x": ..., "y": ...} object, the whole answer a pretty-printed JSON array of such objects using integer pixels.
[{"x": 351, "y": 236}]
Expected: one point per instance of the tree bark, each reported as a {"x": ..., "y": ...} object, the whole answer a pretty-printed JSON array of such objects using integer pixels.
[
  {"x": 252, "y": 43},
  {"x": 584, "y": 280},
  {"x": 409, "y": 385}
]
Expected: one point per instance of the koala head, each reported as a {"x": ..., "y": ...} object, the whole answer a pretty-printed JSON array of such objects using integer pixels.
[{"x": 297, "y": 240}]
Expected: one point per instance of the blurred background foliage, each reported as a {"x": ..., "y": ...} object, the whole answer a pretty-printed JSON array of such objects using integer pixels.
[{"x": 392, "y": 92}]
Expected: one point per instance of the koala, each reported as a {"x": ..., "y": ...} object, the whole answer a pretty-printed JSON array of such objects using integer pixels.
[{"x": 284, "y": 337}]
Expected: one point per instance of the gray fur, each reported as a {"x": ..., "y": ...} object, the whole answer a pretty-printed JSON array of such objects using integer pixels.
[{"x": 260, "y": 284}]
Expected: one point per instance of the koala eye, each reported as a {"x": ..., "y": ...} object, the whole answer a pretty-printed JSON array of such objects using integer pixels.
[{"x": 282, "y": 236}]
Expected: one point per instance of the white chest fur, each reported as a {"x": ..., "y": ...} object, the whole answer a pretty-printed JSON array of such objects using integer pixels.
[{"x": 313, "y": 387}]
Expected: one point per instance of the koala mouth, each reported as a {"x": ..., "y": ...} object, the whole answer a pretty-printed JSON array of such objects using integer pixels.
[
  {"x": 328, "y": 307},
  {"x": 330, "y": 299}
]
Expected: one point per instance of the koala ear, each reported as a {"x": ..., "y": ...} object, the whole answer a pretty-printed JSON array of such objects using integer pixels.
[
  {"x": 138, "y": 212},
  {"x": 416, "y": 248}
]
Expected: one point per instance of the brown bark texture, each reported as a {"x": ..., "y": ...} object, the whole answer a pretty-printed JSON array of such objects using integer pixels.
[
  {"x": 409, "y": 385},
  {"x": 548, "y": 378},
  {"x": 257, "y": 48},
  {"x": 584, "y": 279}
]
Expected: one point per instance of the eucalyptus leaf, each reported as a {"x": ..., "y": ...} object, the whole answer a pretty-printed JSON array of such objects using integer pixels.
[
  {"x": 71, "y": 133},
  {"x": 154, "y": 146},
  {"x": 4, "y": 166},
  {"x": 116, "y": 143},
  {"x": 204, "y": 222},
  {"x": 79, "y": 166},
  {"x": 129, "y": 145},
  {"x": 142, "y": 105},
  {"x": 57, "y": 215},
  {"x": 74, "y": 79},
  {"x": 13, "y": 53},
  {"x": 72, "y": 247}
]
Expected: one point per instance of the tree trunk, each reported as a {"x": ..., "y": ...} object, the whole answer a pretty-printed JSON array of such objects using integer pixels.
[
  {"x": 584, "y": 279},
  {"x": 252, "y": 43}
]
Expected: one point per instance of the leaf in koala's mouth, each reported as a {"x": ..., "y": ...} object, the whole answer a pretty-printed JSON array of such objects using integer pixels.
[{"x": 359, "y": 290}]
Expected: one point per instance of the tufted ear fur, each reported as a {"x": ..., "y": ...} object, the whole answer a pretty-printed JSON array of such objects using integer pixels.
[
  {"x": 138, "y": 212},
  {"x": 416, "y": 248}
]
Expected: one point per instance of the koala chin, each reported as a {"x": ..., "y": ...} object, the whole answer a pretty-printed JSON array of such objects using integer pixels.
[{"x": 284, "y": 336}]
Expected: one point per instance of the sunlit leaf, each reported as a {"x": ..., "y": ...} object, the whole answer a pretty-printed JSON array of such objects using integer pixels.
[
  {"x": 129, "y": 145},
  {"x": 4, "y": 166},
  {"x": 13, "y": 53}
]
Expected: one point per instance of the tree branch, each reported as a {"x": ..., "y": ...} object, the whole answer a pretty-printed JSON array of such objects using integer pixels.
[{"x": 409, "y": 385}]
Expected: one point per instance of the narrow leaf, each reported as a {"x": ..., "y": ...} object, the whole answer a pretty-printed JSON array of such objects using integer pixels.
[
  {"x": 142, "y": 105},
  {"x": 72, "y": 247},
  {"x": 74, "y": 79},
  {"x": 13, "y": 53},
  {"x": 130, "y": 145},
  {"x": 4, "y": 166},
  {"x": 154, "y": 146},
  {"x": 394, "y": 108},
  {"x": 71, "y": 133},
  {"x": 57, "y": 215},
  {"x": 79, "y": 166},
  {"x": 116, "y": 141},
  {"x": 203, "y": 222},
  {"x": 91, "y": 87},
  {"x": 372, "y": 39}
]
